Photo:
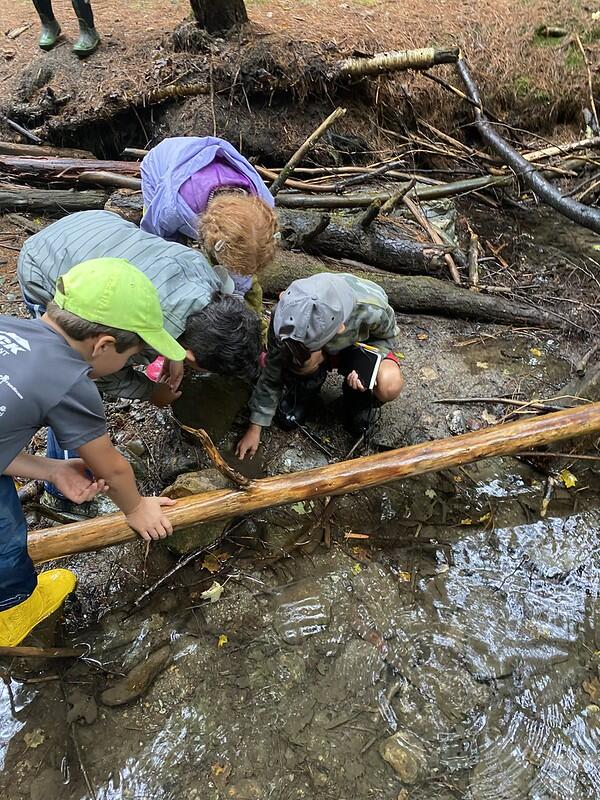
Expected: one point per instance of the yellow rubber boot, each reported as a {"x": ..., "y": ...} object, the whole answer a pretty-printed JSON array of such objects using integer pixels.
[{"x": 52, "y": 588}]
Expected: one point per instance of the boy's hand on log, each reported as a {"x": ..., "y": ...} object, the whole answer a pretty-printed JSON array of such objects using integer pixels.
[
  {"x": 149, "y": 520},
  {"x": 72, "y": 479},
  {"x": 248, "y": 444},
  {"x": 354, "y": 381},
  {"x": 172, "y": 374}
]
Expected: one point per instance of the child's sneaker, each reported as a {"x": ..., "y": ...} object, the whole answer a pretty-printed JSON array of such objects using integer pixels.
[{"x": 52, "y": 588}]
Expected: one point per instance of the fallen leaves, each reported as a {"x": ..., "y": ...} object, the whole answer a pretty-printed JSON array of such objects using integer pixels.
[
  {"x": 213, "y": 562},
  {"x": 213, "y": 593},
  {"x": 568, "y": 479},
  {"x": 222, "y": 641}
]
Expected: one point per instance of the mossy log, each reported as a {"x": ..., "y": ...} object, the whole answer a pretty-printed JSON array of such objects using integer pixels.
[
  {"x": 377, "y": 244},
  {"x": 414, "y": 293}
]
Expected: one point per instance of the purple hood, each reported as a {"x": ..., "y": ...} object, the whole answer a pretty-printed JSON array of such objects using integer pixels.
[{"x": 169, "y": 165}]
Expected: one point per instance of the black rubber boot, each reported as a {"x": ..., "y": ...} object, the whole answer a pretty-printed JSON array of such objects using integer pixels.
[
  {"x": 360, "y": 410},
  {"x": 298, "y": 398},
  {"x": 50, "y": 27},
  {"x": 89, "y": 38}
]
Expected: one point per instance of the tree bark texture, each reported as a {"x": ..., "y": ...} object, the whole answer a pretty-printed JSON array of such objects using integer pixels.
[
  {"x": 378, "y": 244},
  {"x": 23, "y": 198},
  {"x": 219, "y": 15},
  {"x": 414, "y": 293},
  {"x": 334, "y": 479}
]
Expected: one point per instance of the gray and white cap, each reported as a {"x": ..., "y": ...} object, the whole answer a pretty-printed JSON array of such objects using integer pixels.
[{"x": 312, "y": 309}]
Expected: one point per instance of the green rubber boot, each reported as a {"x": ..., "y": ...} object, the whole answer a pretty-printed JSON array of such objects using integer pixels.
[
  {"x": 89, "y": 38},
  {"x": 50, "y": 27}
]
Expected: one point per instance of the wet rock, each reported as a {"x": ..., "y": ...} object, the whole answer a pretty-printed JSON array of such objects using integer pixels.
[
  {"x": 48, "y": 785},
  {"x": 295, "y": 459},
  {"x": 457, "y": 422},
  {"x": 204, "y": 480},
  {"x": 83, "y": 707},
  {"x": 138, "y": 465},
  {"x": 190, "y": 483},
  {"x": 405, "y": 754},
  {"x": 136, "y": 683},
  {"x": 137, "y": 447},
  {"x": 247, "y": 789}
]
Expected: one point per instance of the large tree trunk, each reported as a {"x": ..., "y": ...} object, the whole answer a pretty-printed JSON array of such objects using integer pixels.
[{"x": 219, "y": 15}]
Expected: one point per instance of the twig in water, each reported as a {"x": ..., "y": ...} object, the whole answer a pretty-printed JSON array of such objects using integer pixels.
[
  {"x": 534, "y": 404},
  {"x": 366, "y": 176},
  {"x": 44, "y": 652},
  {"x": 548, "y": 454},
  {"x": 169, "y": 574}
]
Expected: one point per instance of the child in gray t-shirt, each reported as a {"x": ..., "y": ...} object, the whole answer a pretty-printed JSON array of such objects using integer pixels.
[{"x": 104, "y": 311}]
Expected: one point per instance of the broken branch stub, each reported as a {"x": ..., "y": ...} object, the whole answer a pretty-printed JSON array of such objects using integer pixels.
[
  {"x": 334, "y": 479},
  {"x": 397, "y": 60}
]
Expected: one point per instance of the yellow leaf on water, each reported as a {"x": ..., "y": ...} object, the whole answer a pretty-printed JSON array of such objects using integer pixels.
[
  {"x": 222, "y": 640},
  {"x": 356, "y": 568},
  {"x": 485, "y": 517},
  {"x": 535, "y": 352},
  {"x": 213, "y": 593},
  {"x": 482, "y": 364},
  {"x": 568, "y": 479},
  {"x": 466, "y": 521},
  {"x": 406, "y": 577},
  {"x": 422, "y": 337}
]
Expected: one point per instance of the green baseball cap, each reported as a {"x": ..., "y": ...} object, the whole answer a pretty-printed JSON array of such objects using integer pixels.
[{"x": 111, "y": 291}]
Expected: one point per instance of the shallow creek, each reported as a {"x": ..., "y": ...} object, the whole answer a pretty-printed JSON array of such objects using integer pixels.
[{"x": 464, "y": 628}]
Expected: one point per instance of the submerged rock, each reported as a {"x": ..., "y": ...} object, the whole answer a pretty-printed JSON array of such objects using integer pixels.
[
  {"x": 405, "y": 754},
  {"x": 201, "y": 535},
  {"x": 140, "y": 678}
]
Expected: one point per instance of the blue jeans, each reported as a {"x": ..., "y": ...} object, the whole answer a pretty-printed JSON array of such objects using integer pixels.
[
  {"x": 53, "y": 449},
  {"x": 17, "y": 575}
]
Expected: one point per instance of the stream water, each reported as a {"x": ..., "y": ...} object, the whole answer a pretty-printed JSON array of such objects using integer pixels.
[{"x": 453, "y": 654}]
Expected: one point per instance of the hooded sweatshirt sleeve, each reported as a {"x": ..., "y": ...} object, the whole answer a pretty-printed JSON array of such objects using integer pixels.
[{"x": 267, "y": 391}]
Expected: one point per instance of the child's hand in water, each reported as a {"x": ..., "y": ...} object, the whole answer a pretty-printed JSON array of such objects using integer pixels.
[
  {"x": 354, "y": 381},
  {"x": 248, "y": 444}
]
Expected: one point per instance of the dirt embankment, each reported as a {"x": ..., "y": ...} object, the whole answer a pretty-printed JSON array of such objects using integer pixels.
[{"x": 257, "y": 81}]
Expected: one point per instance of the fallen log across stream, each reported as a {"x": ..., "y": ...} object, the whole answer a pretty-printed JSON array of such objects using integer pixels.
[{"x": 334, "y": 479}]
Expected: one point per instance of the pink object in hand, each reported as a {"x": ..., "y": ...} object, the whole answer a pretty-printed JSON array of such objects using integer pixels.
[
  {"x": 262, "y": 359},
  {"x": 154, "y": 369}
]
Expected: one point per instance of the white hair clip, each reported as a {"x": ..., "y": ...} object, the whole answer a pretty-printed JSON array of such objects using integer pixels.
[{"x": 219, "y": 245}]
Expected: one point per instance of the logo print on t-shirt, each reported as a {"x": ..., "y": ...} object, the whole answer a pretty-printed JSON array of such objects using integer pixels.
[
  {"x": 6, "y": 379},
  {"x": 13, "y": 344}
]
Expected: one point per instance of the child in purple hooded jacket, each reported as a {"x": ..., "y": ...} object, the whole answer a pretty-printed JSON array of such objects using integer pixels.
[{"x": 203, "y": 189}]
